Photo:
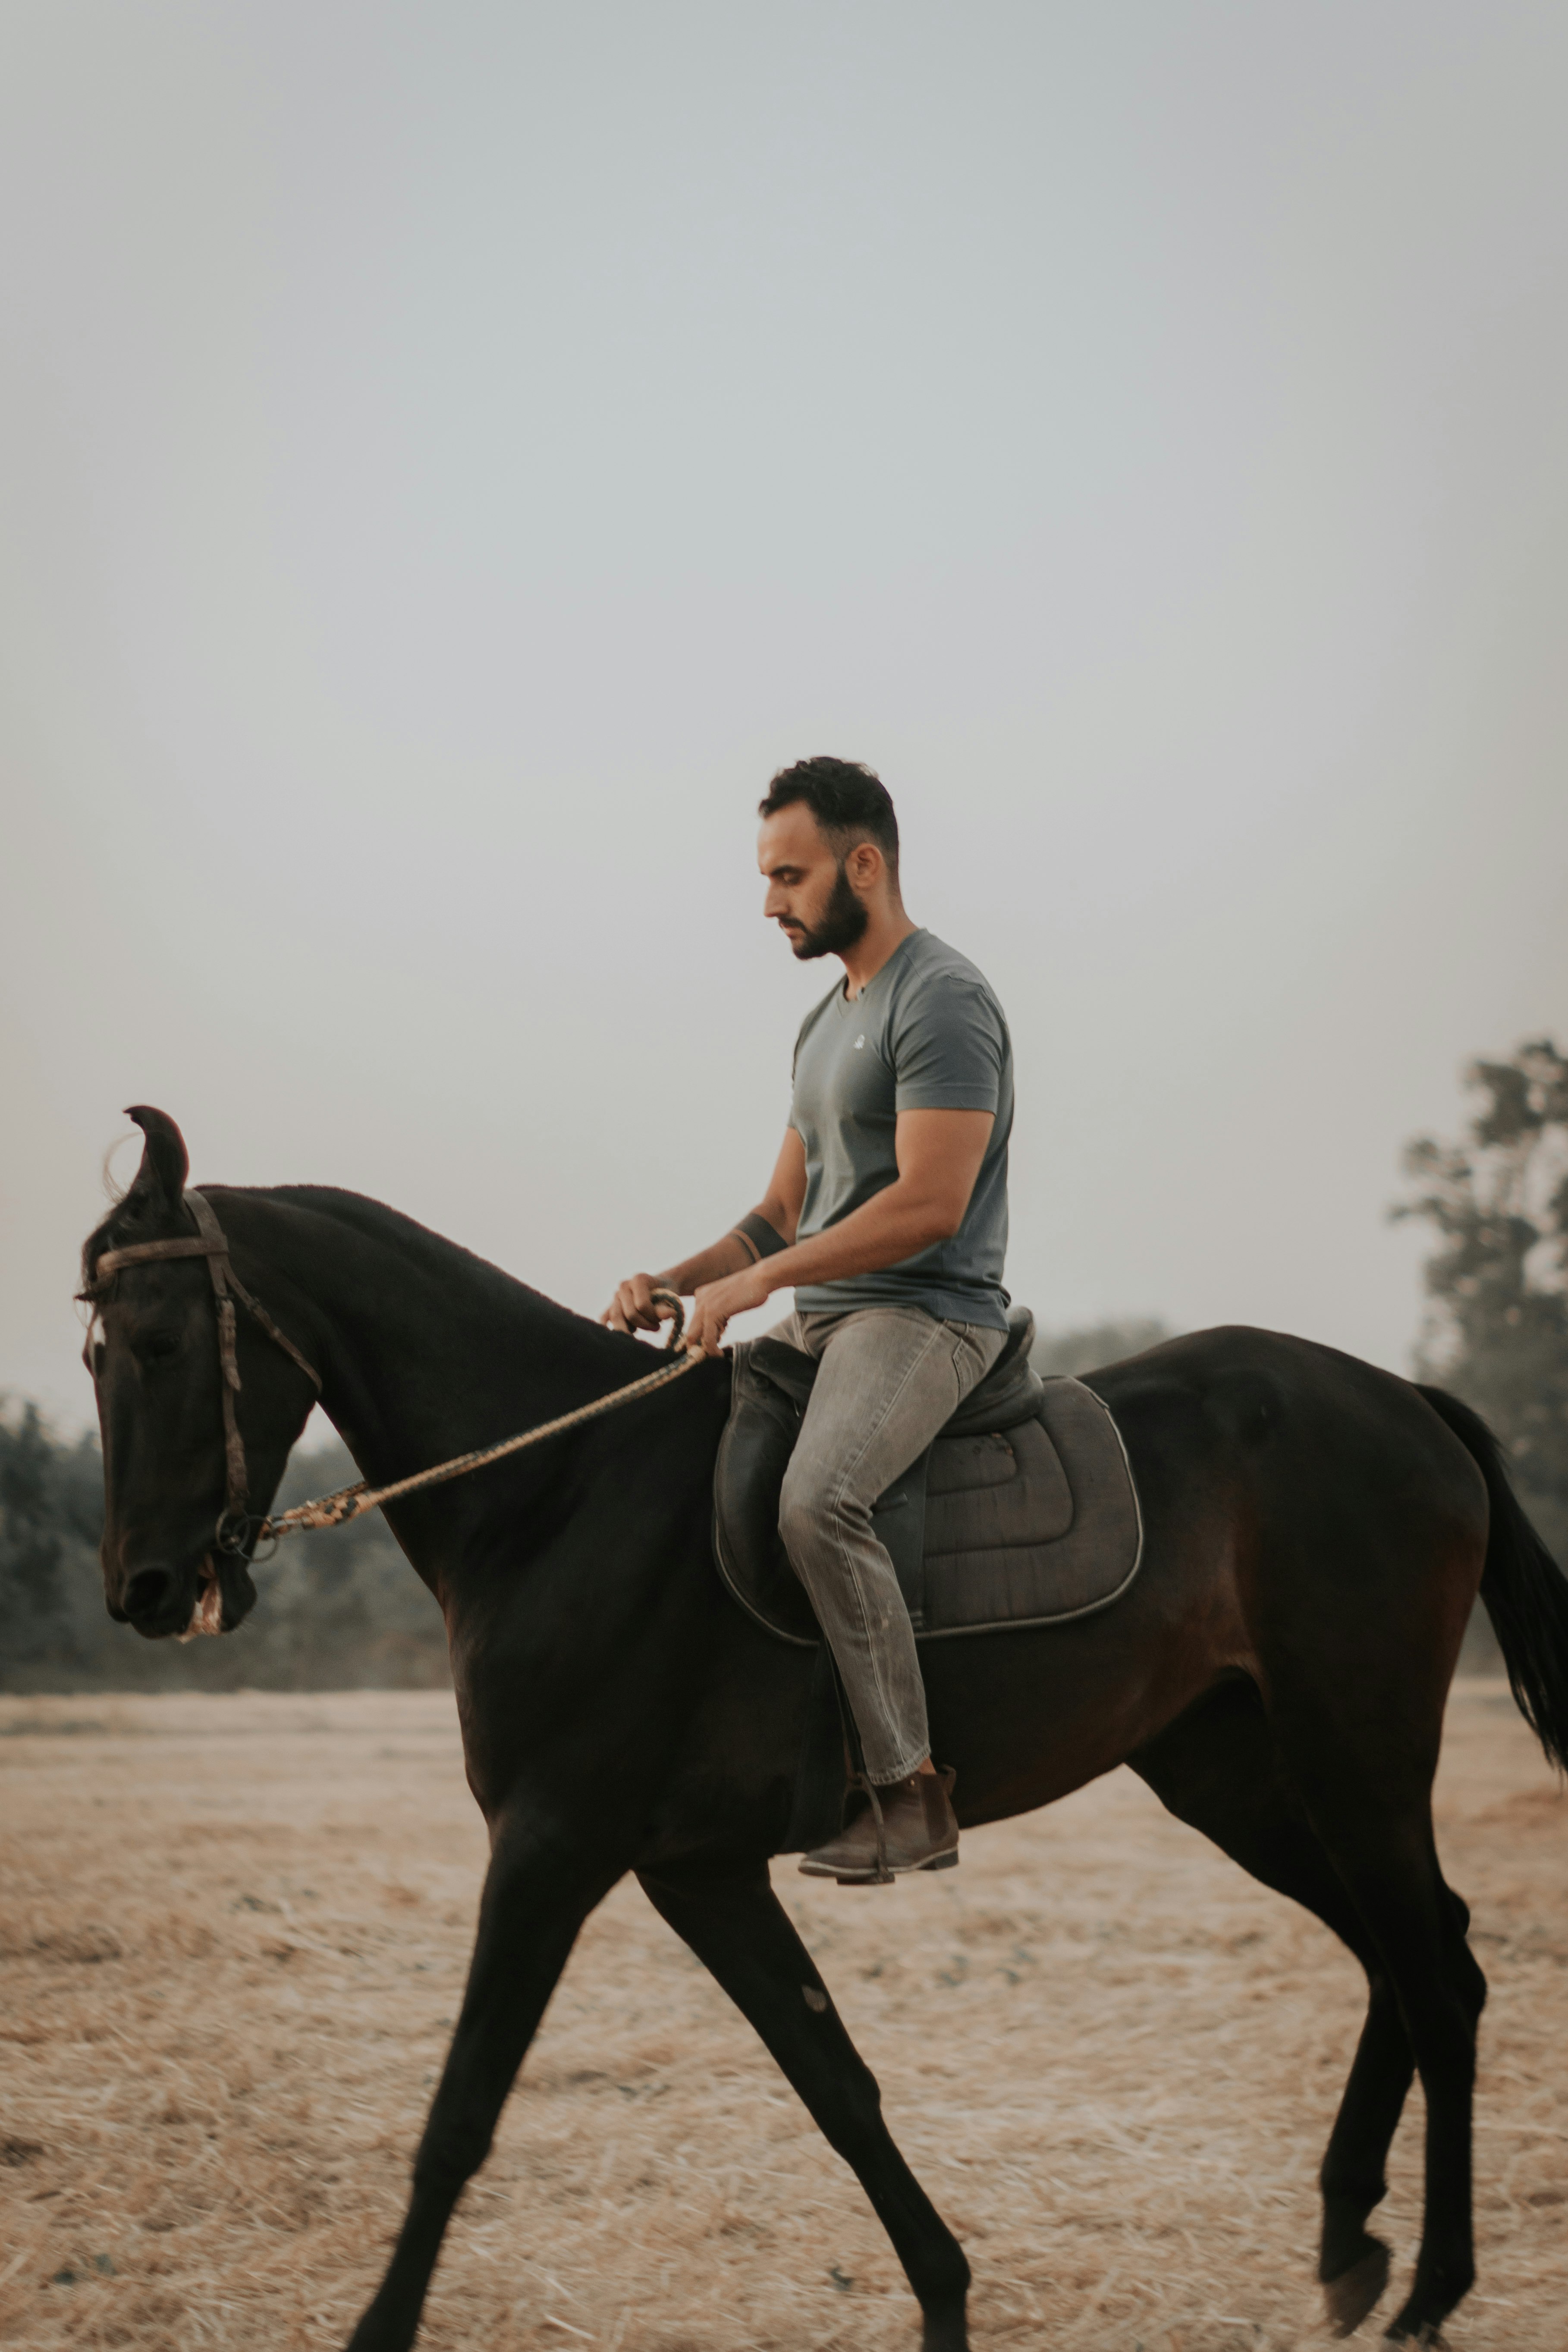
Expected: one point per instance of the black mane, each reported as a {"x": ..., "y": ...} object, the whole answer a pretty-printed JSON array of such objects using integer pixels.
[
  {"x": 141, "y": 1216},
  {"x": 391, "y": 1227}
]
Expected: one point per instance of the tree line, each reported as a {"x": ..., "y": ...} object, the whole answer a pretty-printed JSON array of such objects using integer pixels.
[{"x": 343, "y": 1609}]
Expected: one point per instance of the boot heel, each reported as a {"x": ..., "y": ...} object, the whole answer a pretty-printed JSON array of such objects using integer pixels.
[{"x": 940, "y": 1861}]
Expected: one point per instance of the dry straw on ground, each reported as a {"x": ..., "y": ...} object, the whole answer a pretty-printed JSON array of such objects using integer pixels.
[{"x": 233, "y": 1937}]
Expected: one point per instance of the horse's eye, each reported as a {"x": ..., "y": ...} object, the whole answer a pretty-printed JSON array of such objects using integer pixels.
[{"x": 159, "y": 1347}]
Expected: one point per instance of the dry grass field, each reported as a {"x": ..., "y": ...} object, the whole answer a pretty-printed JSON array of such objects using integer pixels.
[{"x": 233, "y": 1933}]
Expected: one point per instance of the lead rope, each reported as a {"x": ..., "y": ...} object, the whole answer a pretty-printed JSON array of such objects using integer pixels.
[{"x": 353, "y": 1502}]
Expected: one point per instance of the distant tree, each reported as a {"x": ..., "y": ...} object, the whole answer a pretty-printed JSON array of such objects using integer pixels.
[
  {"x": 32, "y": 1598},
  {"x": 1085, "y": 1348},
  {"x": 1496, "y": 1333}
]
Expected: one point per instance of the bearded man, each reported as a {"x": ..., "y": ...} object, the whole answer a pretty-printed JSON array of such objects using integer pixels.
[{"x": 888, "y": 1214}]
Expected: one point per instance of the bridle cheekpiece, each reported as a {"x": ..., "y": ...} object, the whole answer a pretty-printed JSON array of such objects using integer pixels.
[{"x": 237, "y": 1526}]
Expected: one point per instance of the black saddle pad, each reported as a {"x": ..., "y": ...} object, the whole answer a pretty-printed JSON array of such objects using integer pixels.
[{"x": 1024, "y": 1512}]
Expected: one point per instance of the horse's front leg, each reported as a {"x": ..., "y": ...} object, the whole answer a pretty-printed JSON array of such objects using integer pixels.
[{"x": 536, "y": 1898}]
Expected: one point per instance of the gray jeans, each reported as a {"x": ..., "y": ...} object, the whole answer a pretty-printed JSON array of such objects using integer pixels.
[{"x": 890, "y": 1377}]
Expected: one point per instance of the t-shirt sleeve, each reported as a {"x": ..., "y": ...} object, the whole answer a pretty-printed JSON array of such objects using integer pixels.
[{"x": 949, "y": 1048}]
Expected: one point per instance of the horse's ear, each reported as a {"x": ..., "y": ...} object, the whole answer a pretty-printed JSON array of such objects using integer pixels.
[{"x": 160, "y": 1181}]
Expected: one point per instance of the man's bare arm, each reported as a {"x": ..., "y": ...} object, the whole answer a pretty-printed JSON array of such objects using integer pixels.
[
  {"x": 939, "y": 1154},
  {"x": 632, "y": 1307}
]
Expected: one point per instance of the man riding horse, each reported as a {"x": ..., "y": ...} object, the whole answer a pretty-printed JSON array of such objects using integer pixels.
[
  {"x": 888, "y": 1212},
  {"x": 1313, "y": 1534}
]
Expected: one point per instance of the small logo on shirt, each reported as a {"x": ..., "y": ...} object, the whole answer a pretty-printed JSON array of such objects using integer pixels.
[{"x": 860, "y": 1041}]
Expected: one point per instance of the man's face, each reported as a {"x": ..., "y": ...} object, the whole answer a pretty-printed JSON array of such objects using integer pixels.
[{"x": 809, "y": 894}]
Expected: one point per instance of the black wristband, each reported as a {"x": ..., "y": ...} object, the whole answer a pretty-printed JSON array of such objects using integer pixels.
[{"x": 762, "y": 1237}]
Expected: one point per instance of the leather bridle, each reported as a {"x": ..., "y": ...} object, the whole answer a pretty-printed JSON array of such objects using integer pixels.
[{"x": 237, "y": 1526}]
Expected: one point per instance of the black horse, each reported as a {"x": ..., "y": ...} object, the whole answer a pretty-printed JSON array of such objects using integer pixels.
[{"x": 1317, "y": 1532}]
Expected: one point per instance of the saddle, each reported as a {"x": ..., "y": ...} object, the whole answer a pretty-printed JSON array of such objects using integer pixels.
[{"x": 1022, "y": 1513}]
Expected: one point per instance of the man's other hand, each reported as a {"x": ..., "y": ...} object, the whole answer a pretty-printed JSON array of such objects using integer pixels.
[
  {"x": 632, "y": 1307},
  {"x": 715, "y": 1302}
]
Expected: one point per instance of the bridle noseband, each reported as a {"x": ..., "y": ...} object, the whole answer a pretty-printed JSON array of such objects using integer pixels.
[{"x": 237, "y": 1526}]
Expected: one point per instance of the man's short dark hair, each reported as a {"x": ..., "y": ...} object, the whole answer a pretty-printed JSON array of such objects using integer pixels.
[{"x": 849, "y": 802}]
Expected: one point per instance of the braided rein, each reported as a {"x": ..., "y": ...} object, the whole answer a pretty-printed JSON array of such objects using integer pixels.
[{"x": 352, "y": 1502}]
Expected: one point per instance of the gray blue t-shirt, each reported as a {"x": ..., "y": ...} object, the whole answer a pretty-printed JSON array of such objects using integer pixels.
[{"x": 927, "y": 1033}]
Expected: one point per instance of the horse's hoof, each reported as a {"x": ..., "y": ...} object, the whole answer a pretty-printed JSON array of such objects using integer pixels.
[
  {"x": 944, "y": 2328},
  {"x": 1432, "y": 2298},
  {"x": 1409, "y": 2326},
  {"x": 1352, "y": 2294}
]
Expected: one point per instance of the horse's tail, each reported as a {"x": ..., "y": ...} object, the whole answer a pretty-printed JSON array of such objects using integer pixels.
[{"x": 1525, "y": 1592}]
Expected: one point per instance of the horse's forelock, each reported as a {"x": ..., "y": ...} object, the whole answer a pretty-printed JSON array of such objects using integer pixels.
[{"x": 142, "y": 1215}]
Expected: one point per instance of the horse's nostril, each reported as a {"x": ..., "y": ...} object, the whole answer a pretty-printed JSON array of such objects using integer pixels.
[{"x": 147, "y": 1592}]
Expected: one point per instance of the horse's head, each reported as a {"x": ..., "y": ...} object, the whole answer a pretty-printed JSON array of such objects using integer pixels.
[{"x": 172, "y": 1548}]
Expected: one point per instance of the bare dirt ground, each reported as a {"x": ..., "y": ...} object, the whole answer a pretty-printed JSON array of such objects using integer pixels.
[{"x": 233, "y": 1932}]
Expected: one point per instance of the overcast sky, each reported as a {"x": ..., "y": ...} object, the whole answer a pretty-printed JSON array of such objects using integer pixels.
[{"x": 453, "y": 453}]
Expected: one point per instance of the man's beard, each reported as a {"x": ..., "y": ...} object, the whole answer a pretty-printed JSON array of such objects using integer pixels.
[{"x": 842, "y": 922}]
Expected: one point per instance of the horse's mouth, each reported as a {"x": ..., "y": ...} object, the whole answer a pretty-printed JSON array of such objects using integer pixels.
[
  {"x": 226, "y": 1595},
  {"x": 207, "y": 1609}
]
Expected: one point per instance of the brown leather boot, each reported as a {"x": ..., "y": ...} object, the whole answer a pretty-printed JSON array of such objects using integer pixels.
[{"x": 910, "y": 1826}]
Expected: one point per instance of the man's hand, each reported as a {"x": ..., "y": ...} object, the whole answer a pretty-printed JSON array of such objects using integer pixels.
[
  {"x": 716, "y": 1301},
  {"x": 632, "y": 1307}
]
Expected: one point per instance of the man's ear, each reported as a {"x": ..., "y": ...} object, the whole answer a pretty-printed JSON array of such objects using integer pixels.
[
  {"x": 865, "y": 866},
  {"x": 160, "y": 1181}
]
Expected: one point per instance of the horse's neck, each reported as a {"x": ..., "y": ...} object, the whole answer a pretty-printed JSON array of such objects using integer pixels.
[{"x": 424, "y": 1352}]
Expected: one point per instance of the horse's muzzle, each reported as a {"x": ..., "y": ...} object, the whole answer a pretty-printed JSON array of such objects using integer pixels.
[
  {"x": 156, "y": 1600},
  {"x": 210, "y": 1595}
]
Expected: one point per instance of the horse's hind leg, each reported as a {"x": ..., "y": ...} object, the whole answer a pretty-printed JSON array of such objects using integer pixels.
[
  {"x": 1218, "y": 1768},
  {"x": 1385, "y": 2064},
  {"x": 1380, "y": 1840},
  {"x": 738, "y": 1929}
]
